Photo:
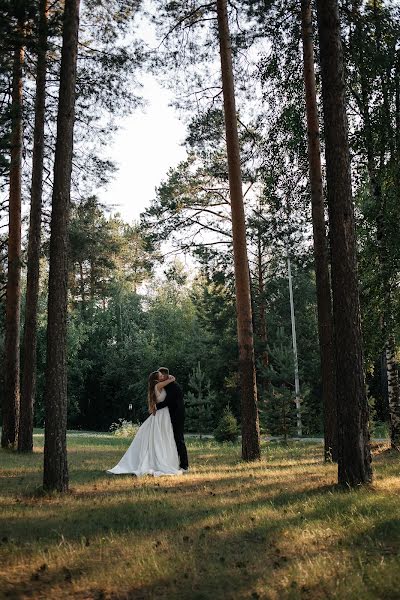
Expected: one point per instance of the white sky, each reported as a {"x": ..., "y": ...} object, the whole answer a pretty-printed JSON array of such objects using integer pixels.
[{"x": 147, "y": 145}]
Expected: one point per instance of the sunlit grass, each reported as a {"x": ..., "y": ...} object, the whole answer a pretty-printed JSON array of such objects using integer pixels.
[{"x": 276, "y": 529}]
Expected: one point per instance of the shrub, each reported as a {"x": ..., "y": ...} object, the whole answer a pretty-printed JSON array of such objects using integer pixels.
[
  {"x": 227, "y": 429},
  {"x": 124, "y": 428},
  {"x": 199, "y": 402}
]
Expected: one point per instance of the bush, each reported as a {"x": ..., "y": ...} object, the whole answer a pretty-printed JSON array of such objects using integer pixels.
[
  {"x": 227, "y": 429},
  {"x": 124, "y": 428},
  {"x": 199, "y": 402},
  {"x": 377, "y": 428},
  {"x": 380, "y": 430}
]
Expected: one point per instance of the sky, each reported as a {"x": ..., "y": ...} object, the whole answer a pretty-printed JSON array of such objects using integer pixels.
[{"x": 146, "y": 146}]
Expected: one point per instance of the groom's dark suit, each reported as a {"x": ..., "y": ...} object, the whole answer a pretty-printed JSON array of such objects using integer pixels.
[{"x": 176, "y": 406}]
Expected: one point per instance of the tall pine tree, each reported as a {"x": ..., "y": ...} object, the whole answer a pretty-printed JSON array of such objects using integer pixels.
[
  {"x": 249, "y": 414},
  {"x": 55, "y": 475},
  {"x": 354, "y": 457}
]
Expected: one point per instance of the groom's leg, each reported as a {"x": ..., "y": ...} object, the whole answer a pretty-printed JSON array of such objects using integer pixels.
[{"x": 181, "y": 447}]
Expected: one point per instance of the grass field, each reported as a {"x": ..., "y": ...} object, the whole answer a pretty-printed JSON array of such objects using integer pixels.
[{"x": 277, "y": 529}]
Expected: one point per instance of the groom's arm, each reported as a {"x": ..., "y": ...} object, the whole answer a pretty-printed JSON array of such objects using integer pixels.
[
  {"x": 162, "y": 404},
  {"x": 170, "y": 400}
]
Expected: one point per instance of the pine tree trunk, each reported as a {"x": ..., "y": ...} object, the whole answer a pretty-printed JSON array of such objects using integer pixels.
[
  {"x": 10, "y": 411},
  {"x": 55, "y": 475},
  {"x": 249, "y": 412},
  {"x": 393, "y": 393},
  {"x": 323, "y": 285},
  {"x": 25, "y": 439},
  {"x": 354, "y": 456}
]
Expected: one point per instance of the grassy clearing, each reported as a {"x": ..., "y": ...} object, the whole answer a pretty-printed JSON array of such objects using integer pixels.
[{"x": 277, "y": 529}]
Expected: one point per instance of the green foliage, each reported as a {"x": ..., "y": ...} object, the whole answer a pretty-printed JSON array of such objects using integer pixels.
[
  {"x": 277, "y": 407},
  {"x": 124, "y": 321},
  {"x": 378, "y": 427},
  {"x": 372, "y": 35},
  {"x": 227, "y": 429},
  {"x": 380, "y": 430},
  {"x": 213, "y": 297},
  {"x": 199, "y": 402},
  {"x": 118, "y": 336},
  {"x": 106, "y": 255},
  {"x": 114, "y": 345},
  {"x": 280, "y": 414},
  {"x": 277, "y": 414}
]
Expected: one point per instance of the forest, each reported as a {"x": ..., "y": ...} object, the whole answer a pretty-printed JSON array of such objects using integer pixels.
[
  {"x": 262, "y": 271},
  {"x": 291, "y": 177}
]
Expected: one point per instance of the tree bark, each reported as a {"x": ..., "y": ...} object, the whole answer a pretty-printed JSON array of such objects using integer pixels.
[
  {"x": 55, "y": 475},
  {"x": 354, "y": 456},
  {"x": 9, "y": 436},
  {"x": 25, "y": 439},
  {"x": 250, "y": 423},
  {"x": 393, "y": 393},
  {"x": 323, "y": 284}
]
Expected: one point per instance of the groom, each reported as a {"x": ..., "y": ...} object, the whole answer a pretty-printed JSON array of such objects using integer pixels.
[{"x": 174, "y": 401}]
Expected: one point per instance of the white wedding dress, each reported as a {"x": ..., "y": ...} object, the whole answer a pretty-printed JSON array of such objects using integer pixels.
[{"x": 153, "y": 449}]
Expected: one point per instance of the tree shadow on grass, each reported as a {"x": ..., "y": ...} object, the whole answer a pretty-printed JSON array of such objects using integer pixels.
[
  {"x": 160, "y": 508},
  {"x": 383, "y": 537},
  {"x": 197, "y": 517},
  {"x": 199, "y": 530},
  {"x": 218, "y": 561},
  {"x": 16, "y": 482}
]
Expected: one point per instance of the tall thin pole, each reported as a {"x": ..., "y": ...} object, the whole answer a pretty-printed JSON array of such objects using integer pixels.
[{"x": 295, "y": 356}]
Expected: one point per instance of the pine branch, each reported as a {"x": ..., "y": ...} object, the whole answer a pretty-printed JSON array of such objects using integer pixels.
[{"x": 183, "y": 19}]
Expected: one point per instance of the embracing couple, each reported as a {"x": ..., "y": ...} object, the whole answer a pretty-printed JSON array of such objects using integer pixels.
[{"x": 158, "y": 447}]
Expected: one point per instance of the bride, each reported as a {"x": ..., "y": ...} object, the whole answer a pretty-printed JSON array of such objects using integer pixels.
[{"x": 153, "y": 449}]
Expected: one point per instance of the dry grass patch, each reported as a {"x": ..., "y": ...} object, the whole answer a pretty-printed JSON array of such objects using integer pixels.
[{"x": 275, "y": 529}]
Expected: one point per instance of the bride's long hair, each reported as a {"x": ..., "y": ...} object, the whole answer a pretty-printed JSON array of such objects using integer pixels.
[{"x": 151, "y": 393}]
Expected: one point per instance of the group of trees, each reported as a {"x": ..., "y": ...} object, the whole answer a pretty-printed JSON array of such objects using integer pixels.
[
  {"x": 253, "y": 185},
  {"x": 32, "y": 64},
  {"x": 279, "y": 165},
  {"x": 125, "y": 320}
]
